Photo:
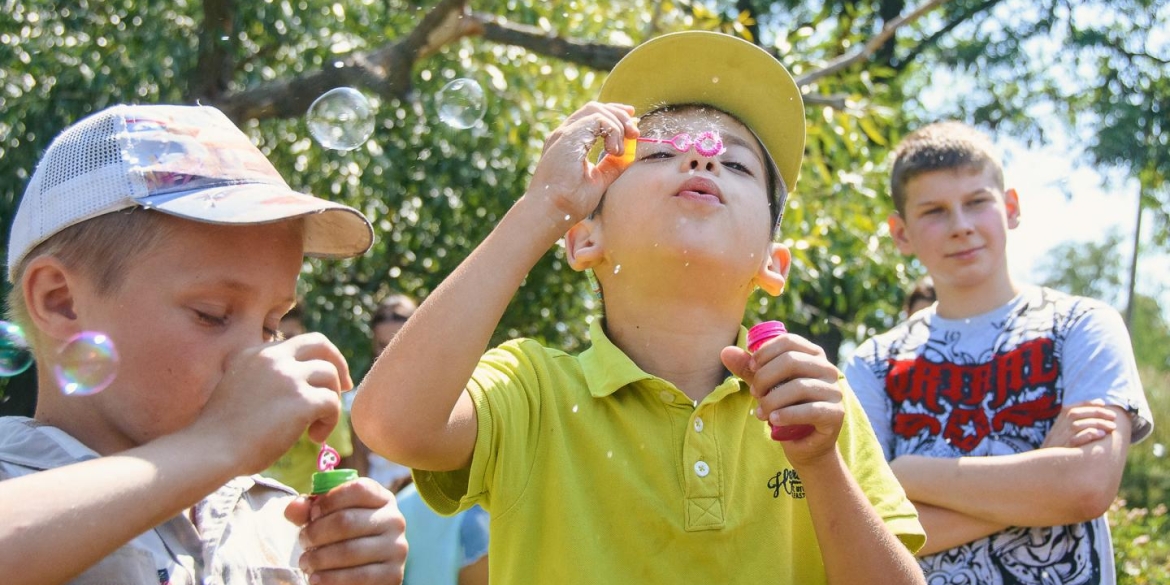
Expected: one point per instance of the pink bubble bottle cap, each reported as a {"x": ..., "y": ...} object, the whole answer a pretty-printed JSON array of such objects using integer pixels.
[{"x": 761, "y": 332}]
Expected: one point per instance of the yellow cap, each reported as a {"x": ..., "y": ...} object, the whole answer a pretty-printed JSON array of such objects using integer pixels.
[{"x": 722, "y": 71}]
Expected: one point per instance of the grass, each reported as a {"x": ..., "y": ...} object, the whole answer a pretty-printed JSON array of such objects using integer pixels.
[{"x": 1138, "y": 519}]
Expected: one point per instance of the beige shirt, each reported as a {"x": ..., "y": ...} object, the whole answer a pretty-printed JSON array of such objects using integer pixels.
[{"x": 243, "y": 537}]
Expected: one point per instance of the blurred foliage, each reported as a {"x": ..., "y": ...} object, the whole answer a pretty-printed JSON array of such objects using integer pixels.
[
  {"x": 1141, "y": 543},
  {"x": 433, "y": 192},
  {"x": 1096, "y": 269},
  {"x": 1146, "y": 482}
]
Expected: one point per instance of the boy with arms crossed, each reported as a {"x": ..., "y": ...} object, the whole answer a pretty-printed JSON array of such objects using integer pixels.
[
  {"x": 164, "y": 228},
  {"x": 643, "y": 459},
  {"x": 1006, "y": 410}
]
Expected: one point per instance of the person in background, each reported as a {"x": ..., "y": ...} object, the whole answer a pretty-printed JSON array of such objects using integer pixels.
[
  {"x": 1006, "y": 410},
  {"x": 920, "y": 297},
  {"x": 444, "y": 550}
]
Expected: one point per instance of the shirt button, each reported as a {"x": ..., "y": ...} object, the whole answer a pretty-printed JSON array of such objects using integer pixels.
[
  {"x": 666, "y": 396},
  {"x": 701, "y": 468},
  {"x": 698, "y": 425}
]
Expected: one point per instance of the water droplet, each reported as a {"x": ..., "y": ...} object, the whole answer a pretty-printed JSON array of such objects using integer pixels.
[
  {"x": 568, "y": 217},
  {"x": 460, "y": 103},
  {"x": 574, "y": 408},
  {"x": 341, "y": 119},
  {"x": 86, "y": 364},
  {"x": 609, "y": 454},
  {"x": 715, "y": 79},
  {"x": 617, "y": 269},
  {"x": 15, "y": 356}
]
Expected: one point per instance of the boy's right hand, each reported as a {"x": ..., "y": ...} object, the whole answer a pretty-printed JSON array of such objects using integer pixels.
[
  {"x": 565, "y": 176},
  {"x": 270, "y": 394}
]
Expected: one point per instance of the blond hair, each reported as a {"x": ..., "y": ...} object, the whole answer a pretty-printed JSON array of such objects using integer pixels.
[
  {"x": 941, "y": 146},
  {"x": 100, "y": 248}
]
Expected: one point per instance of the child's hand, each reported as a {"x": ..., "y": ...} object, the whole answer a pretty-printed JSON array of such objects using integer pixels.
[
  {"x": 565, "y": 177},
  {"x": 353, "y": 534},
  {"x": 1082, "y": 423},
  {"x": 795, "y": 384},
  {"x": 270, "y": 394}
]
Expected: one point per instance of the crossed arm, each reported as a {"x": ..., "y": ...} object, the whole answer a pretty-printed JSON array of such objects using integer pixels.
[{"x": 1075, "y": 474}]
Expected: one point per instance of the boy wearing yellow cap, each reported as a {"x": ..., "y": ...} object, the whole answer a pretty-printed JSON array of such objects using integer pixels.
[{"x": 645, "y": 459}]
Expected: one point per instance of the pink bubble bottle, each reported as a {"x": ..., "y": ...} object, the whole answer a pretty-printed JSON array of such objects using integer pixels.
[{"x": 759, "y": 334}]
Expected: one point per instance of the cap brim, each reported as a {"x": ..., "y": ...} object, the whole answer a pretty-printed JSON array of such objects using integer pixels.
[
  {"x": 722, "y": 71},
  {"x": 332, "y": 230}
]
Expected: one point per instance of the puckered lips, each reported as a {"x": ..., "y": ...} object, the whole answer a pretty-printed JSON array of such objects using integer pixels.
[{"x": 700, "y": 189}]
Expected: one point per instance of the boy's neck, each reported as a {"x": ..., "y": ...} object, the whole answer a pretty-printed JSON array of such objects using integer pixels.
[
  {"x": 964, "y": 302},
  {"x": 679, "y": 342}
]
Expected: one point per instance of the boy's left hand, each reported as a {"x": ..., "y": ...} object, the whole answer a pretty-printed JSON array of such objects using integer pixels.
[
  {"x": 795, "y": 384},
  {"x": 353, "y": 534}
]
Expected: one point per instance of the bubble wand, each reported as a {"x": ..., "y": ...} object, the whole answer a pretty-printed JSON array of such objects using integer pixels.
[{"x": 326, "y": 477}]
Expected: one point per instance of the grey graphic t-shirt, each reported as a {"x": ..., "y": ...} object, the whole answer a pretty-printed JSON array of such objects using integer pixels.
[{"x": 993, "y": 385}]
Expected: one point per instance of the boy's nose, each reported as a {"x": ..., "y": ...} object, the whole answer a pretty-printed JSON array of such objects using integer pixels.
[
  {"x": 961, "y": 224},
  {"x": 699, "y": 161}
]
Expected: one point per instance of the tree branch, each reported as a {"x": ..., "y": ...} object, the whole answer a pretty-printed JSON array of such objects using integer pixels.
[
  {"x": 595, "y": 55},
  {"x": 940, "y": 33},
  {"x": 214, "y": 65},
  {"x": 870, "y": 47},
  {"x": 386, "y": 70}
]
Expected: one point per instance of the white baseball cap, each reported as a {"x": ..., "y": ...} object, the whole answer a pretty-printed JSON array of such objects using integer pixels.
[{"x": 187, "y": 161}]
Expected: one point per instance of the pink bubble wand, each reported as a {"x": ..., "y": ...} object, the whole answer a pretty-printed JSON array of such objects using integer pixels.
[{"x": 327, "y": 477}]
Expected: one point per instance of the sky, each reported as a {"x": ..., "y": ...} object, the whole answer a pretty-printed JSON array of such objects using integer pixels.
[{"x": 1044, "y": 177}]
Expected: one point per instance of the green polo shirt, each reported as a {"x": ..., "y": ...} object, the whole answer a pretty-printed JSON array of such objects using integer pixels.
[{"x": 597, "y": 472}]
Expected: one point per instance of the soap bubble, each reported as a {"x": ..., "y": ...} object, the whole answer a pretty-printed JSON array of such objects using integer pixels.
[
  {"x": 87, "y": 364},
  {"x": 15, "y": 356},
  {"x": 341, "y": 119},
  {"x": 460, "y": 103}
]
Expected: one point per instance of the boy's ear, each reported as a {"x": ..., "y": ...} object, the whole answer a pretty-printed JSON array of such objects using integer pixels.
[
  {"x": 898, "y": 233},
  {"x": 773, "y": 272},
  {"x": 583, "y": 244},
  {"x": 49, "y": 294},
  {"x": 1011, "y": 202}
]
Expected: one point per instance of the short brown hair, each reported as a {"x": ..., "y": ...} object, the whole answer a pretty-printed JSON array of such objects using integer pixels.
[
  {"x": 100, "y": 248},
  {"x": 923, "y": 291},
  {"x": 941, "y": 146},
  {"x": 397, "y": 307}
]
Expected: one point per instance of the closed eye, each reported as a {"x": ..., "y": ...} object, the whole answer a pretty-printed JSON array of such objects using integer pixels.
[
  {"x": 209, "y": 319},
  {"x": 660, "y": 154},
  {"x": 739, "y": 168}
]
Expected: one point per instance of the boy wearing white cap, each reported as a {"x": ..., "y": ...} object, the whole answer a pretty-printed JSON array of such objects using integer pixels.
[
  {"x": 645, "y": 459},
  {"x": 167, "y": 230}
]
